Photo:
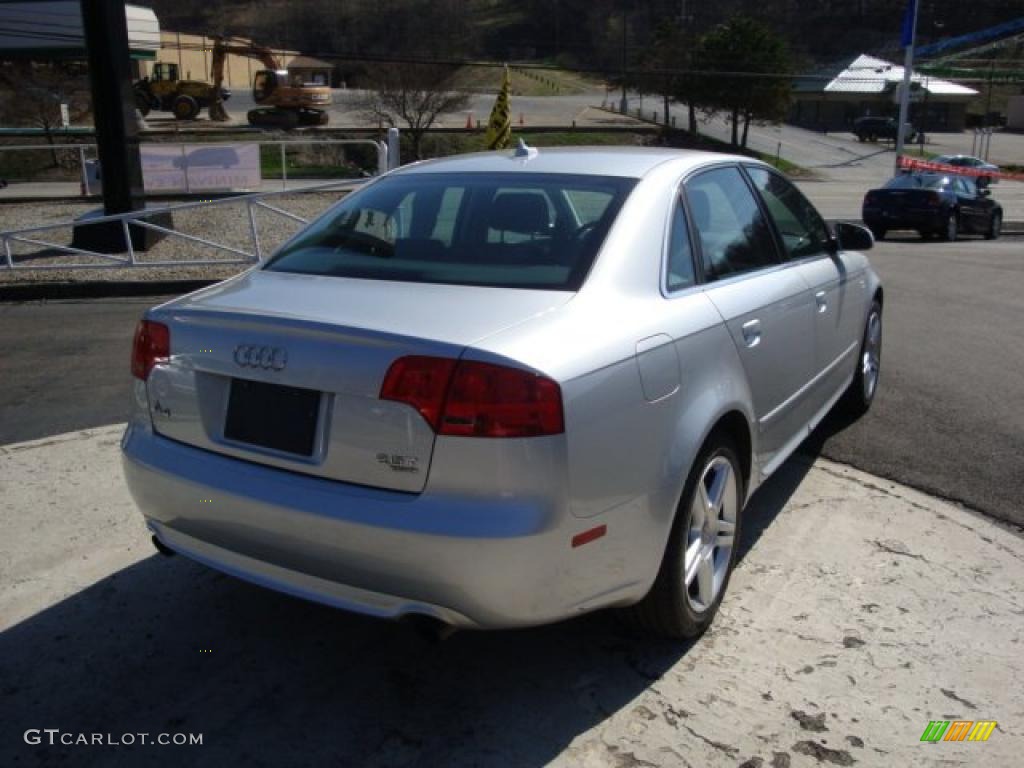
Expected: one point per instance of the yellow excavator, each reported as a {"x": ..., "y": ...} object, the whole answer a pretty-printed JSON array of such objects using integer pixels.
[{"x": 283, "y": 100}]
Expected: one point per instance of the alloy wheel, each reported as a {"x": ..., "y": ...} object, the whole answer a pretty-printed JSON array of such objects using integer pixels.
[
  {"x": 710, "y": 536},
  {"x": 871, "y": 359}
]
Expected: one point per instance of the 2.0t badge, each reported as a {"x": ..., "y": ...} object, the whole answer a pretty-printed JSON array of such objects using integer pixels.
[{"x": 267, "y": 358}]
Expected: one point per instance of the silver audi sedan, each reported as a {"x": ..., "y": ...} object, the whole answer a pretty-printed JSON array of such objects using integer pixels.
[{"x": 505, "y": 389}]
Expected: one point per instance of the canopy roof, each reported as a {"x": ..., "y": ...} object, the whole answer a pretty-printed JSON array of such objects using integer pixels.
[
  {"x": 869, "y": 75},
  {"x": 53, "y": 29}
]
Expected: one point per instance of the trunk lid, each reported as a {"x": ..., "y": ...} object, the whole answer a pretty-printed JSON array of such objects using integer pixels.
[{"x": 285, "y": 370}]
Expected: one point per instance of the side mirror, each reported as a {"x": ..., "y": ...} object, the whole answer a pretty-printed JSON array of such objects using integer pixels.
[
  {"x": 854, "y": 237},
  {"x": 984, "y": 192}
]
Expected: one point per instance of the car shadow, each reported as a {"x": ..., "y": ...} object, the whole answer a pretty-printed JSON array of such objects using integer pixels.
[
  {"x": 167, "y": 646},
  {"x": 911, "y": 237}
]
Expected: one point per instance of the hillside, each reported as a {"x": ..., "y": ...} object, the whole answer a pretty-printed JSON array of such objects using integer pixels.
[{"x": 573, "y": 32}]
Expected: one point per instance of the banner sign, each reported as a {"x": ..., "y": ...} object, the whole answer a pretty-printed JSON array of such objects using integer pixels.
[
  {"x": 191, "y": 168},
  {"x": 200, "y": 167}
]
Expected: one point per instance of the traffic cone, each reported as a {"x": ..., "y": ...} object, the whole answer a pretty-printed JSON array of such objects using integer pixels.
[
  {"x": 521, "y": 118},
  {"x": 469, "y": 121}
]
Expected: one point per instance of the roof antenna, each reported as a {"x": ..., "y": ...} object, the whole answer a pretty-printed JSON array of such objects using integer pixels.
[{"x": 525, "y": 151}]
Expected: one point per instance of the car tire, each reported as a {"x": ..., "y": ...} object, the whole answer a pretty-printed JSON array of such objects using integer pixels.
[
  {"x": 995, "y": 226},
  {"x": 924, "y": 234},
  {"x": 951, "y": 227},
  {"x": 185, "y": 108},
  {"x": 859, "y": 396},
  {"x": 682, "y": 605}
]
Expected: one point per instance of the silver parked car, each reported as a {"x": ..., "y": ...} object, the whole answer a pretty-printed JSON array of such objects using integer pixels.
[
  {"x": 505, "y": 389},
  {"x": 979, "y": 167}
]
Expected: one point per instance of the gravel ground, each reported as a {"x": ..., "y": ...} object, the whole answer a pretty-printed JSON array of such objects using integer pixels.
[
  {"x": 226, "y": 224},
  {"x": 860, "y": 610}
]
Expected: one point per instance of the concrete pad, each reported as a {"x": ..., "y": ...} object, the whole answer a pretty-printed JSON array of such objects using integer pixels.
[{"x": 860, "y": 611}]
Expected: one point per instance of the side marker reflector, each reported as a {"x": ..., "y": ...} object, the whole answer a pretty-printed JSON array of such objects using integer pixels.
[{"x": 588, "y": 536}]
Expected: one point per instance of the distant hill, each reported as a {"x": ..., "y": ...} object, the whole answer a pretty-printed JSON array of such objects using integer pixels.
[{"x": 573, "y": 32}]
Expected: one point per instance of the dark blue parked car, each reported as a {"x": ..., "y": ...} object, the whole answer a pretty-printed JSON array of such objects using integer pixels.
[{"x": 933, "y": 203}]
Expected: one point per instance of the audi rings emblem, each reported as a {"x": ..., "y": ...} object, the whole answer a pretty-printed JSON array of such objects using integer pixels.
[{"x": 267, "y": 358}]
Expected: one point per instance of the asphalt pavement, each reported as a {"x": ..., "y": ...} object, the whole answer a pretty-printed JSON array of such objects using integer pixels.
[
  {"x": 947, "y": 419},
  {"x": 65, "y": 365}
]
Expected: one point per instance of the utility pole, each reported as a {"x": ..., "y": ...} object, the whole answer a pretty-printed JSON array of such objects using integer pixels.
[
  {"x": 925, "y": 123},
  {"x": 117, "y": 132},
  {"x": 988, "y": 108},
  {"x": 908, "y": 69},
  {"x": 624, "y": 104}
]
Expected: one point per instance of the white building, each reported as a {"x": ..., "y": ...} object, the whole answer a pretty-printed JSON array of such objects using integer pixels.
[{"x": 870, "y": 86}]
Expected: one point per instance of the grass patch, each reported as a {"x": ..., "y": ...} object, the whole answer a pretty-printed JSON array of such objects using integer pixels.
[
  {"x": 525, "y": 81},
  {"x": 312, "y": 162},
  {"x": 446, "y": 144},
  {"x": 443, "y": 145},
  {"x": 683, "y": 140},
  {"x": 916, "y": 150}
]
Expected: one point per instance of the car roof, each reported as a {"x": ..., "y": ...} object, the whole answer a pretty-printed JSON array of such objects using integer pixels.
[{"x": 628, "y": 162}]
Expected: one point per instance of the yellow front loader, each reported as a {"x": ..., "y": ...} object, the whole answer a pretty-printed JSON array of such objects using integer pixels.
[{"x": 164, "y": 92}]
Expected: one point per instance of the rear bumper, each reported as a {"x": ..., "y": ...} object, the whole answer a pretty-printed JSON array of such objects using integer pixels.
[
  {"x": 470, "y": 561},
  {"x": 912, "y": 218}
]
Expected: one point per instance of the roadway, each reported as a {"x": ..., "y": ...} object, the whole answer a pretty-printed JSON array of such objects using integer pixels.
[{"x": 947, "y": 419}]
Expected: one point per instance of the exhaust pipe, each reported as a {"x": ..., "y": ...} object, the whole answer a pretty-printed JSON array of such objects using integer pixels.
[
  {"x": 431, "y": 629},
  {"x": 162, "y": 548}
]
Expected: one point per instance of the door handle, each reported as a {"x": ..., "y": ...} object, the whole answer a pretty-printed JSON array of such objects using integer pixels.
[
  {"x": 752, "y": 332},
  {"x": 822, "y": 300}
]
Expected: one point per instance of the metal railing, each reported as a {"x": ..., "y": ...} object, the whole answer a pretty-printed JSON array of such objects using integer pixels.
[
  {"x": 380, "y": 147},
  {"x": 28, "y": 235}
]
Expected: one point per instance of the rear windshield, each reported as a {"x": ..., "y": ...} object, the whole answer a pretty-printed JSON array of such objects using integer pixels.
[
  {"x": 917, "y": 181},
  {"x": 505, "y": 230}
]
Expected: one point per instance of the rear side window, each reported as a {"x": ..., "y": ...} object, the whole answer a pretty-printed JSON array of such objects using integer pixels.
[
  {"x": 733, "y": 234},
  {"x": 802, "y": 229},
  {"x": 917, "y": 181},
  {"x": 680, "y": 254},
  {"x": 505, "y": 230}
]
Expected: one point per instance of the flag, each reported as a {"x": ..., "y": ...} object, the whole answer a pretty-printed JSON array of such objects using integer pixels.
[
  {"x": 499, "y": 126},
  {"x": 907, "y": 30}
]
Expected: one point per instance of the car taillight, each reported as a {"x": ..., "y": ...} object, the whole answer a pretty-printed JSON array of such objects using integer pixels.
[
  {"x": 935, "y": 199},
  {"x": 870, "y": 199},
  {"x": 487, "y": 400},
  {"x": 474, "y": 399},
  {"x": 152, "y": 345},
  {"x": 420, "y": 381}
]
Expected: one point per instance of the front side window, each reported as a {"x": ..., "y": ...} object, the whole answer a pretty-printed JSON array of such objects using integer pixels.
[
  {"x": 965, "y": 187},
  {"x": 802, "y": 229},
  {"x": 733, "y": 234},
  {"x": 506, "y": 230}
]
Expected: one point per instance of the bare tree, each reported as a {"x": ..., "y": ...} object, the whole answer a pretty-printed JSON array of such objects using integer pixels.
[
  {"x": 31, "y": 94},
  {"x": 412, "y": 97}
]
